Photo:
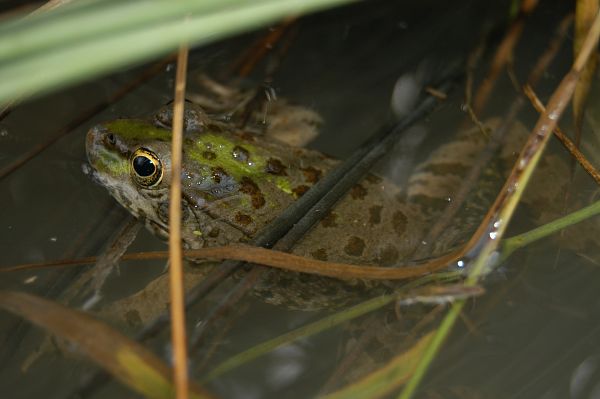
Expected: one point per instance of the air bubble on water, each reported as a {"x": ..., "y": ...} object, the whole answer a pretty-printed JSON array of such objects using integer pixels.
[
  {"x": 3, "y": 132},
  {"x": 53, "y": 239},
  {"x": 30, "y": 280},
  {"x": 424, "y": 242},
  {"x": 449, "y": 199}
]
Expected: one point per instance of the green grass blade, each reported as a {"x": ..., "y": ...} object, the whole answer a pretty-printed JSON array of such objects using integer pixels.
[
  {"x": 54, "y": 65},
  {"x": 386, "y": 379}
]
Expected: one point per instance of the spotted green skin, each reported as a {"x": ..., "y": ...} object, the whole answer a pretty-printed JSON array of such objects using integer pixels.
[{"x": 235, "y": 183}]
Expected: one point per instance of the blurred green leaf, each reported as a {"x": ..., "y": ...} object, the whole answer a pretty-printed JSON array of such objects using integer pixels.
[
  {"x": 126, "y": 360},
  {"x": 85, "y": 39}
]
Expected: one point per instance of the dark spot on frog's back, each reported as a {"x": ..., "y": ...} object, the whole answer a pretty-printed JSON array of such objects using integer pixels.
[
  {"x": 311, "y": 174},
  {"x": 275, "y": 167},
  {"x": 240, "y": 154},
  {"x": 355, "y": 246},
  {"x": 218, "y": 174},
  {"x": 300, "y": 190},
  {"x": 399, "y": 221},
  {"x": 329, "y": 220},
  {"x": 358, "y": 192},
  {"x": 209, "y": 155},
  {"x": 319, "y": 254},
  {"x": 375, "y": 214},
  {"x": 247, "y": 186},
  {"x": 243, "y": 219}
]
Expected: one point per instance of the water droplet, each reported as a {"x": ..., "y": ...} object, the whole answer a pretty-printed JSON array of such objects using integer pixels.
[
  {"x": 493, "y": 235},
  {"x": 449, "y": 199},
  {"x": 424, "y": 242},
  {"x": 497, "y": 223},
  {"x": 3, "y": 132},
  {"x": 30, "y": 280},
  {"x": 53, "y": 239},
  {"x": 460, "y": 263}
]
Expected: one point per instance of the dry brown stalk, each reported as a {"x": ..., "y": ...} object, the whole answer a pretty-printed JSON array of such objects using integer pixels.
[
  {"x": 502, "y": 56},
  {"x": 177, "y": 292},
  {"x": 566, "y": 142}
]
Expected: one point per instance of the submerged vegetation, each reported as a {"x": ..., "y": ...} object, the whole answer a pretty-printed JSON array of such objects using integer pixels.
[{"x": 84, "y": 40}]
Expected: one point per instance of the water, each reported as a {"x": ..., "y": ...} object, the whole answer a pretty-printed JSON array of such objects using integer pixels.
[{"x": 533, "y": 334}]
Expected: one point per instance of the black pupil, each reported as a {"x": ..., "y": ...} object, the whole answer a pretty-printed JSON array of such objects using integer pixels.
[{"x": 143, "y": 166}]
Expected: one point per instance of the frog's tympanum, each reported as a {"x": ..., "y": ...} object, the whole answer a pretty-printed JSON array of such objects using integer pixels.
[{"x": 235, "y": 183}]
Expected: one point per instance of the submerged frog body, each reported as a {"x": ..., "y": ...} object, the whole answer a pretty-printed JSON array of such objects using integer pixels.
[{"x": 235, "y": 183}]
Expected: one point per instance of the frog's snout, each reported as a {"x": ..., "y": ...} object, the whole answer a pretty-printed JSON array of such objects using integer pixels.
[
  {"x": 95, "y": 134},
  {"x": 94, "y": 139}
]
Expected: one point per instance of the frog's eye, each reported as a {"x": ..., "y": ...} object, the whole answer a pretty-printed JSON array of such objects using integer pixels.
[{"x": 146, "y": 167}]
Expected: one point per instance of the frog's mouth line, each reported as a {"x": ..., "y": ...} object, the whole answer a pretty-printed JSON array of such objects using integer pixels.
[{"x": 90, "y": 172}]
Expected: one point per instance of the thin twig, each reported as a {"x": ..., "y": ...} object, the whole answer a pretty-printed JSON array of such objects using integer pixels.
[
  {"x": 177, "y": 294},
  {"x": 285, "y": 261},
  {"x": 246, "y": 63},
  {"x": 566, "y": 142},
  {"x": 503, "y": 54}
]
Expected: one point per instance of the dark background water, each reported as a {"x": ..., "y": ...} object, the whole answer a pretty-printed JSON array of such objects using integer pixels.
[{"x": 534, "y": 333}]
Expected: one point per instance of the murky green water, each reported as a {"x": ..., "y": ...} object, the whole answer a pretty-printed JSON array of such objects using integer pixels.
[{"x": 533, "y": 334}]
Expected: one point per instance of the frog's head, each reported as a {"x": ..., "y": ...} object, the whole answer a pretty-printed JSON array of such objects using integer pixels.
[{"x": 132, "y": 159}]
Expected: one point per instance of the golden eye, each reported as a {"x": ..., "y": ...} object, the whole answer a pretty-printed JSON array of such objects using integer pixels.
[{"x": 146, "y": 167}]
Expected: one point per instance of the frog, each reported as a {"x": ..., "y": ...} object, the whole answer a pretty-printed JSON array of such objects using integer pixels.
[{"x": 235, "y": 183}]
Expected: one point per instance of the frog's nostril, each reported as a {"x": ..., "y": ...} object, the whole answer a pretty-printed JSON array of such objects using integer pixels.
[{"x": 110, "y": 138}]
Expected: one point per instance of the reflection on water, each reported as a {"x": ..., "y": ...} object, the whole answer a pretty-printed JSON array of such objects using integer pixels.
[{"x": 533, "y": 334}]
